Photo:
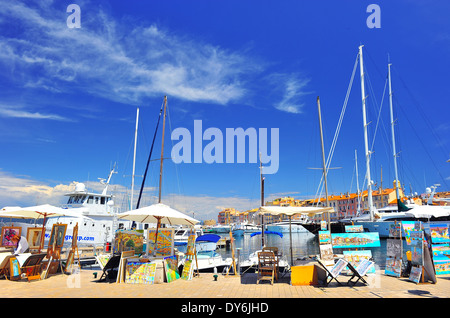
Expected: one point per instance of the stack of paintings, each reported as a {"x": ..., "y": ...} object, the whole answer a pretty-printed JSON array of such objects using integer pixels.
[
  {"x": 140, "y": 273},
  {"x": 326, "y": 249},
  {"x": 394, "y": 251},
  {"x": 441, "y": 250}
]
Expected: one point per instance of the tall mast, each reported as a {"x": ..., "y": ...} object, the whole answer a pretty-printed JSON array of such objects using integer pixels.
[
  {"x": 162, "y": 149},
  {"x": 358, "y": 209},
  {"x": 134, "y": 160},
  {"x": 393, "y": 134},
  {"x": 366, "y": 143},
  {"x": 262, "y": 200},
  {"x": 323, "y": 161}
]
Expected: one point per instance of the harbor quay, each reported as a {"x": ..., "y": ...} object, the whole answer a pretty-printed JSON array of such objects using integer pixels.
[{"x": 84, "y": 284}]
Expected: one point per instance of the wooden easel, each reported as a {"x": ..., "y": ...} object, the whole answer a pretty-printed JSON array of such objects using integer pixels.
[
  {"x": 74, "y": 248},
  {"x": 232, "y": 256},
  {"x": 192, "y": 254}
]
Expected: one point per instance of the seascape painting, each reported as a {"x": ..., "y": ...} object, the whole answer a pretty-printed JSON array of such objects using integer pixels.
[
  {"x": 439, "y": 233},
  {"x": 393, "y": 267},
  {"x": 355, "y": 240}
]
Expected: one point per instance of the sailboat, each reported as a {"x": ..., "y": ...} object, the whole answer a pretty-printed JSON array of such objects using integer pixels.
[{"x": 380, "y": 220}]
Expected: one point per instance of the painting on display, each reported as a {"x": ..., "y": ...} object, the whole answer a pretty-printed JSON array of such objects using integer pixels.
[
  {"x": 14, "y": 269},
  {"x": 439, "y": 233},
  {"x": 190, "y": 249},
  {"x": 355, "y": 240},
  {"x": 417, "y": 253},
  {"x": 394, "y": 248},
  {"x": 188, "y": 270},
  {"x": 393, "y": 267},
  {"x": 127, "y": 240},
  {"x": 140, "y": 273},
  {"x": 440, "y": 250},
  {"x": 7, "y": 234},
  {"x": 324, "y": 237},
  {"x": 354, "y": 229},
  {"x": 415, "y": 274},
  {"x": 416, "y": 236},
  {"x": 356, "y": 257},
  {"x": 326, "y": 254},
  {"x": 407, "y": 227},
  {"x": 34, "y": 235},
  {"x": 165, "y": 242},
  {"x": 171, "y": 268},
  {"x": 395, "y": 230},
  {"x": 57, "y": 235},
  {"x": 442, "y": 265}
]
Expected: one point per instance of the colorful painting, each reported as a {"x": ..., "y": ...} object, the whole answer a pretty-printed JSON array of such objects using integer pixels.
[
  {"x": 355, "y": 240},
  {"x": 165, "y": 242},
  {"x": 439, "y": 233},
  {"x": 58, "y": 234},
  {"x": 127, "y": 240},
  {"x": 416, "y": 236},
  {"x": 356, "y": 257},
  {"x": 188, "y": 270},
  {"x": 14, "y": 268},
  {"x": 103, "y": 259},
  {"x": 34, "y": 235},
  {"x": 393, "y": 267},
  {"x": 415, "y": 274},
  {"x": 394, "y": 248},
  {"x": 140, "y": 273},
  {"x": 324, "y": 237},
  {"x": 190, "y": 250},
  {"x": 323, "y": 225},
  {"x": 407, "y": 227},
  {"x": 440, "y": 249},
  {"x": 417, "y": 252},
  {"x": 395, "y": 230},
  {"x": 171, "y": 267},
  {"x": 354, "y": 229},
  {"x": 326, "y": 254},
  {"x": 7, "y": 233},
  {"x": 338, "y": 267},
  {"x": 442, "y": 265}
]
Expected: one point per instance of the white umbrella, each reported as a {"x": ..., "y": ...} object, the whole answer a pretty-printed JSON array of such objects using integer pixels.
[
  {"x": 158, "y": 213},
  {"x": 37, "y": 212},
  {"x": 290, "y": 211}
]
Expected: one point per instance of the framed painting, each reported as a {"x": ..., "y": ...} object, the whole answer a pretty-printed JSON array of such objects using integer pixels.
[
  {"x": 324, "y": 237},
  {"x": 355, "y": 240},
  {"x": 188, "y": 270},
  {"x": 439, "y": 233},
  {"x": 417, "y": 253},
  {"x": 7, "y": 233},
  {"x": 354, "y": 229},
  {"x": 395, "y": 230},
  {"x": 415, "y": 274},
  {"x": 140, "y": 273},
  {"x": 165, "y": 243},
  {"x": 171, "y": 268},
  {"x": 394, "y": 248},
  {"x": 14, "y": 269},
  {"x": 75, "y": 236},
  {"x": 69, "y": 262},
  {"x": 58, "y": 234},
  {"x": 34, "y": 235},
  {"x": 393, "y": 267},
  {"x": 129, "y": 240},
  {"x": 357, "y": 257},
  {"x": 326, "y": 254}
]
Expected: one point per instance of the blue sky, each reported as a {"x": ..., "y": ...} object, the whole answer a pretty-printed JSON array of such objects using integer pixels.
[{"x": 69, "y": 96}]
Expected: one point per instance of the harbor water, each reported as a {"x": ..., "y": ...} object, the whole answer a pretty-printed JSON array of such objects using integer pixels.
[{"x": 303, "y": 246}]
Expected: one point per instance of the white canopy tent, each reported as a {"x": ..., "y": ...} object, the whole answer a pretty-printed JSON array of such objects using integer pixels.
[{"x": 290, "y": 211}]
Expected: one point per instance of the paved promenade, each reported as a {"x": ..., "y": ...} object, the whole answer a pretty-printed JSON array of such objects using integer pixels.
[{"x": 84, "y": 285}]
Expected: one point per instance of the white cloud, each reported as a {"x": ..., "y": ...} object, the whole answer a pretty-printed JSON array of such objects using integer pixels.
[
  {"x": 7, "y": 111},
  {"x": 292, "y": 89},
  {"x": 112, "y": 60}
]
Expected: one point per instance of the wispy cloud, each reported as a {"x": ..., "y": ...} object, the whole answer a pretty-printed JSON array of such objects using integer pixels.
[
  {"x": 291, "y": 88},
  {"x": 8, "y": 111},
  {"x": 113, "y": 60}
]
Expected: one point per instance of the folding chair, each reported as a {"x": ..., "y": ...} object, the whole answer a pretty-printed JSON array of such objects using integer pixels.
[
  {"x": 359, "y": 271},
  {"x": 335, "y": 271},
  {"x": 109, "y": 267},
  {"x": 266, "y": 266}
]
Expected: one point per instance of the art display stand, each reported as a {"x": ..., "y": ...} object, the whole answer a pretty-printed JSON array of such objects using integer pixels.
[
  {"x": 55, "y": 244},
  {"x": 440, "y": 248},
  {"x": 423, "y": 270},
  {"x": 68, "y": 268},
  {"x": 394, "y": 251},
  {"x": 233, "y": 259},
  {"x": 191, "y": 255}
]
